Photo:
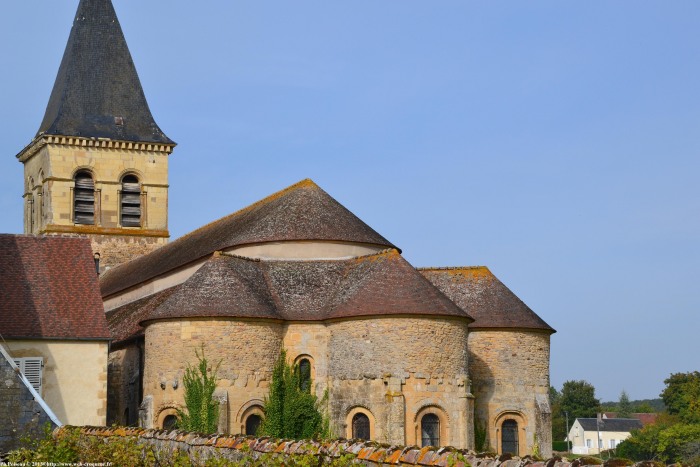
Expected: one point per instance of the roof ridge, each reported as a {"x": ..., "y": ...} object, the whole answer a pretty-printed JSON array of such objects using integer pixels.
[{"x": 250, "y": 207}]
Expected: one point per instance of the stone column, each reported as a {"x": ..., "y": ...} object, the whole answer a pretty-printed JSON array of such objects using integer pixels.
[{"x": 395, "y": 411}]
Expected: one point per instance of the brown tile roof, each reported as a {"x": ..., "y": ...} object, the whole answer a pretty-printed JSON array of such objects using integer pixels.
[
  {"x": 49, "y": 289},
  {"x": 300, "y": 212},
  {"x": 477, "y": 291},
  {"x": 123, "y": 322},
  {"x": 380, "y": 284}
]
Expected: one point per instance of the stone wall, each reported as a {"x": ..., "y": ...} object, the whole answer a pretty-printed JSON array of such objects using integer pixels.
[
  {"x": 124, "y": 384},
  {"x": 20, "y": 414},
  {"x": 394, "y": 370},
  {"x": 510, "y": 380},
  {"x": 247, "y": 351},
  {"x": 239, "y": 448}
]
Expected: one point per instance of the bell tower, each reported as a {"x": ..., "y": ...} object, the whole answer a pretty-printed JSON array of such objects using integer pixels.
[{"x": 98, "y": 166}]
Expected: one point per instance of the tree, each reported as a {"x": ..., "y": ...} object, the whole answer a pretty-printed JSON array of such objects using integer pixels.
[
  {"x": 291, "y": 411},
  {"x": 578, "y": 399},
  {"x": 624, "y": 407},
  {"x": 201, "y": 412},
  {"x": 559, "y": 428},
  {"x": 682, "y": 396}
]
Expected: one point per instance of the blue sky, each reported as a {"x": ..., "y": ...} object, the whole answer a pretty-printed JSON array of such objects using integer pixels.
[{"x": 555, "y": 142}]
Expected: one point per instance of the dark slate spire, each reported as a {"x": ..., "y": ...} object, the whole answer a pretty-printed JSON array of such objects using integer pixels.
[{"x": 97, "y": 91}]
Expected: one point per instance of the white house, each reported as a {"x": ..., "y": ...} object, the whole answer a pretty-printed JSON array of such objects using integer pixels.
[{"x": 591, "y": 435}]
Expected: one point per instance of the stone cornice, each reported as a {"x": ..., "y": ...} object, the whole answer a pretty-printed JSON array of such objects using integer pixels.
[
  {"x": 97, "y": 230},
  {"x": 81, "y": 142}
]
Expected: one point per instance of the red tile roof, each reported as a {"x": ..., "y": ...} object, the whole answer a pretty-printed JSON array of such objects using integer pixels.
[
  {"x": 478, "y": 292},
  {"x": 373, "y": 285},
  {"x": 300, "y": 212},
  {"x": 49, "y": 289}
]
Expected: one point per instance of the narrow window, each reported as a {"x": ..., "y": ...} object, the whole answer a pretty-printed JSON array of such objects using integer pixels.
[
  {"x": 589, "y": 443},
  {"x": 131, "y": 202},
  {"x": 509, "y": 437},
  {"x": 430, "y": 430},
  {"x": 360, "y": 426},
  {"x": 31, "y": 368},
  {"x": 305, "y": 375},
  {"x": 170, "y": 422},
  {"x": 252, "y": 423},
  {"x": 84, "y": 199}
]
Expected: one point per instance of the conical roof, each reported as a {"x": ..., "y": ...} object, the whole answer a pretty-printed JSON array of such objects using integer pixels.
[
  {"x": 481, "y": 294},
  {"x": 302, "y": 212},
  {"x": 380, "y": 284},
  {"x": 97, "y": 92}
]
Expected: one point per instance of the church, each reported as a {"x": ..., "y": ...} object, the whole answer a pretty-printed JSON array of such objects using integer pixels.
[{"x": 431, "y": 356}]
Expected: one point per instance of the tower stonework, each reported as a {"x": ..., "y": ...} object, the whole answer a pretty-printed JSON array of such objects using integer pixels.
[{"x": 98, "y": 165}]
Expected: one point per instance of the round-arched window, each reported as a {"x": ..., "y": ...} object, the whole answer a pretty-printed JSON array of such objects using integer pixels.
[
  {"x": 509, "y": 437},
  {"x": 360, "y": 426},
  {"x": 170, "y": 422},
  {"x": 252, "y": 424},
  {"x": 305, "y": 375},
  {"x": 430, "y": 430}
]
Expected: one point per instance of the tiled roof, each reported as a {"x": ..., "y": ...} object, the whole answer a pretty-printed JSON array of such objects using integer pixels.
[
  {"x": 379, "y": 284},
  {"x": 300, "y": 212},
  {"x": 478, "y": 292},
  {"x": 97, "y": 92},
  {"x": 611, "y": 424},
  {"x": 123, "y": 322},
  {"x": 645, "y": 418},
  {"x": 49, "y": 289}
]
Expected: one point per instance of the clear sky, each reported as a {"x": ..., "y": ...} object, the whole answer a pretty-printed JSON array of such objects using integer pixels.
[{"x": 556, "y": 142}]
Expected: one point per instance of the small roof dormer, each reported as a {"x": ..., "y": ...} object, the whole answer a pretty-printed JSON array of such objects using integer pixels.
[{"x": 97, "y": 93}]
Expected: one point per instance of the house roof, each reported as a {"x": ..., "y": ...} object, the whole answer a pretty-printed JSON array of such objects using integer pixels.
[
  {"x": 379, "y": 284},
  {"x": 97, "y": 92},
  {"x": 485, "y": 298},
  {"x": 610, "y": 424},
  {"x": 49, "y": 289},
  {"x": 645, "y": 418},
  {"x": 301, "y": 212}
]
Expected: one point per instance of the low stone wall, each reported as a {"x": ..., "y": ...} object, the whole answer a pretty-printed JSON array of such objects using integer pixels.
[{"x": 237, "y": 448}]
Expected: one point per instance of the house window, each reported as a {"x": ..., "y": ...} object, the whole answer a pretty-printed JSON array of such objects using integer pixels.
[
  {"x": 305, "y": 375},
  {"x": 252, "y": 424},
  {"x": 31, "y": 368},
  {"x": 612, "y": 444},
  {"x": 430, "y": 430},
  {"x": 600, "y": 444},
  {"x": 360, "y": 426},
  {"x": 589, "y": 443},
  {"x": 84, "y": 199},
  {"x": 131, "y": 202}
]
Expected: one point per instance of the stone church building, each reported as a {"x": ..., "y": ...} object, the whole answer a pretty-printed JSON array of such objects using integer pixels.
[{"x": 430, "y": 356}]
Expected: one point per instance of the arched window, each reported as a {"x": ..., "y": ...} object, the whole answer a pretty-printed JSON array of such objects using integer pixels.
[
  {"x": 360, "y": 426},
  {"x": 170, "y": 422},
  {"x": 509, "y": 437},
  {"x": 430, "y": 430},
  {"x": 131, "y": 202},
  {"x": 84, "y": 199},
  {"x": 305, "y": 375},
  {"x": 252, "y": 423}
]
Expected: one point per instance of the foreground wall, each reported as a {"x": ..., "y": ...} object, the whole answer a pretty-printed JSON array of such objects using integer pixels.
[{"x": 239, "y": 448}]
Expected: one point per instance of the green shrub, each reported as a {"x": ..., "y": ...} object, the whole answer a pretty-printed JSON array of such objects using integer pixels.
[
  {"x": 201, "y": 412},
  {"x": 560, "y": 446},
  {"x": 290, "y": 411}
]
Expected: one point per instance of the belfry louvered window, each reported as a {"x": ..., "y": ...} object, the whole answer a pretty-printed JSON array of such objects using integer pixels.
[
  {"x": 131, "y": 202},
  {"x": 84, "y": 199},
  {"x": 31, "y": 368}
]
